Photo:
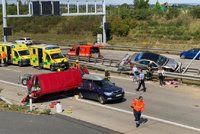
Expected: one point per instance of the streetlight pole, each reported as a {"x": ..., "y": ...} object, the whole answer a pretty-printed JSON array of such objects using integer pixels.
[
  {"x": 4, "y": 18},
  {"x": 104, "y": 21}
]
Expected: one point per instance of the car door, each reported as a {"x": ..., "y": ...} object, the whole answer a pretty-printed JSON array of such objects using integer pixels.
[
  {"x": 93, "y": 90},
  {"x": 85, "y": 89},
  {"x": 192, "y": 53}
]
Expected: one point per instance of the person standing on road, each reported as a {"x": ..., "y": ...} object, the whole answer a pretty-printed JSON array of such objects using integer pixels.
[
  {"x": 141, "y": 81},
  {"x": 135, "y": 73},
  {"x": 138, "y": 107},
  {"x": 77, "y": 65},
  {"x": 161, "y": 77},
  {"x": 150, "y": 70}
]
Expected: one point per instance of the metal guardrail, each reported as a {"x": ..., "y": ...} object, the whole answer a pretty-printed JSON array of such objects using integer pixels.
[
  {"x": 114, "y": 70},
  {"x": 136, "y": 49},
  {"x": 102, "y": 61}
]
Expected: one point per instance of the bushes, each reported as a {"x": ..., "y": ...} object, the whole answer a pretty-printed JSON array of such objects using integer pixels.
[{"x": 195, "y": 12}]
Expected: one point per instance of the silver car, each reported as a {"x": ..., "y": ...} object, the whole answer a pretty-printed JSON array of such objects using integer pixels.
[{"x": 143, "y": 59}]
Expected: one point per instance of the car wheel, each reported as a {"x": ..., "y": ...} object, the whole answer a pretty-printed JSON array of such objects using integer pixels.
[
  {"x": 51, "y": 68},
  {"x": 20, "y": 64},
  {"x": 40, "y": 66},
  {"x": 80, "y": 95},
  {"x": 24, "y": 82},
  {"x": 182, "y": 57},
  {"x": 101, "y": 99}
]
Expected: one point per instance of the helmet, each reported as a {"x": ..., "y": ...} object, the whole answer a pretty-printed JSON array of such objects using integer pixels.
[{"x": 77, "y": 61}]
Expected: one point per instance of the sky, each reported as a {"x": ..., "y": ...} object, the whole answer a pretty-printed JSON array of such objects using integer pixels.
[{"x": 152, "y": 1}]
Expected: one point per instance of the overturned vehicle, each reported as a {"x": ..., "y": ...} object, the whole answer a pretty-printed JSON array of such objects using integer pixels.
[{"x": 42, "y": 84}]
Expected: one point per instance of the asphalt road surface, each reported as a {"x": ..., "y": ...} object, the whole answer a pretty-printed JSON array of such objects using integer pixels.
[
  {"x": 180, "y": 105},
  {"x": 17, "y": 123}
]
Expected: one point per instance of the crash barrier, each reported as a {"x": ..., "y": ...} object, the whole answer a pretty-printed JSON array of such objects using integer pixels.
[
  {"x": 102, "y": 61},
  {"x": 115, "y": 63},
  {"x": 135, "y": 49},
  {"x": 115, "y": 70},
  {"x": 192, "y": 70}
]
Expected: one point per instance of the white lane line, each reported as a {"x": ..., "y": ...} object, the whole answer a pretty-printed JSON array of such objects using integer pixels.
[
  {"x": 145, "y": 116},
  {"x": 124, "y": 111},
  {"x": 11, "y": 70},
  {"x": 14, "y": 84}
]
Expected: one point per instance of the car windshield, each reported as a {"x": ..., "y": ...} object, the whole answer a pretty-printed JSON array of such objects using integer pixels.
[
  {"x": 104, "y": 84},
  {"x": 23, "y": 52},
  {"x": 28, "y": 38},
  {"x": 159, "y": 59},
  {"x": 57, "y": 56}
]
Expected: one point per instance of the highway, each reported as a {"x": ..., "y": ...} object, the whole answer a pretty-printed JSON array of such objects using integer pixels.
[
  {"x": 16, "y": 123},
  {"x": 166, "y": 104}
]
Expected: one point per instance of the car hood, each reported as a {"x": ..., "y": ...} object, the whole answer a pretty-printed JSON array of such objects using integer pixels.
[
  {"x": 171, "y": 64},
  {"x": 113, "y": 89}
]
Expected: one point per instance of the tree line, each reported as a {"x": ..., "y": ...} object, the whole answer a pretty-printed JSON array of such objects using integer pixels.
[{"x": 142, "y": 19}]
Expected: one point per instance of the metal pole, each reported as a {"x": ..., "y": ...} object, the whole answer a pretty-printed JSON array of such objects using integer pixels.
[
  {"x": 77, "y": 6},
  {"x": 31, "y": 104},
  {"x": 191, "y": 62},
  {"x": 4, "y": 18},
  {"x": 17, "y": 7},
  {"x": 104, "y": 21}
]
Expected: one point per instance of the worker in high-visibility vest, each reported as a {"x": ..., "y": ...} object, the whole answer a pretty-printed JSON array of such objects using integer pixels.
[
  {"x": 4, "y": 56},
  {"x": 138, "y": 107},
  {"x": 0, "y": 57}
]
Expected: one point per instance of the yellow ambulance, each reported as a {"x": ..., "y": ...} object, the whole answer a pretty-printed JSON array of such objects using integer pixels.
[
  {"x": 48, "y": 57},
  {"x": 17, "y": 54}
]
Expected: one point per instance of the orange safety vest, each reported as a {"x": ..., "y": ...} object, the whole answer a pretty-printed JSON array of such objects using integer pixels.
[
  {"x": 138, "y": 105},
  {"x": 4, "y": 55}
]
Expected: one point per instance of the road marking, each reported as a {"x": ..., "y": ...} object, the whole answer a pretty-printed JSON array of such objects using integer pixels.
[
  {"x": 122, "y": 110},
  {"x": 145, "y": 116},
  {"x": 11, "y": 70},
  {"x": 14, "y": 84}
]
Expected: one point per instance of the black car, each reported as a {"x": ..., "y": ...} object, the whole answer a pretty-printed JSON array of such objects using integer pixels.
[
  {"x": 98, "y": 88},
  {"x": 143, "y": 59}
]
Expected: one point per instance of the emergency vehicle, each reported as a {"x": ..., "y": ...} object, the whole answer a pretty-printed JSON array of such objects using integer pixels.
[
  {"x": 48, "y": 57},
  {"x": 85, "y": 50},
  {"x": 17, "y": 54}
]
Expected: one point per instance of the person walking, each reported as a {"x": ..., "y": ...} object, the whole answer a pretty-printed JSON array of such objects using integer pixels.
[
  {"x": 141, "y": 81},
  {"x": 138, "y": 107},
  {"x": 161, "y": 77}
]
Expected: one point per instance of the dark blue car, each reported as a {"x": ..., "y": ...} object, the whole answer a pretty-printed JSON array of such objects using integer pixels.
[
  {"x": 190, "y": 54},
  {"x": 97, "y": 88}
]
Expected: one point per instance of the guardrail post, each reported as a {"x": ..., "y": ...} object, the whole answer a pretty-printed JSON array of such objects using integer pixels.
[
  {"x": 95, "y": 60},
  {"x": 102, "y": 61},
  {"x": 110, "y": 62}
]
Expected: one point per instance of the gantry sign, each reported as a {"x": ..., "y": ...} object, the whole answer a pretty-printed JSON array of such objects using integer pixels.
[{"x": 59, "y": 8}]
